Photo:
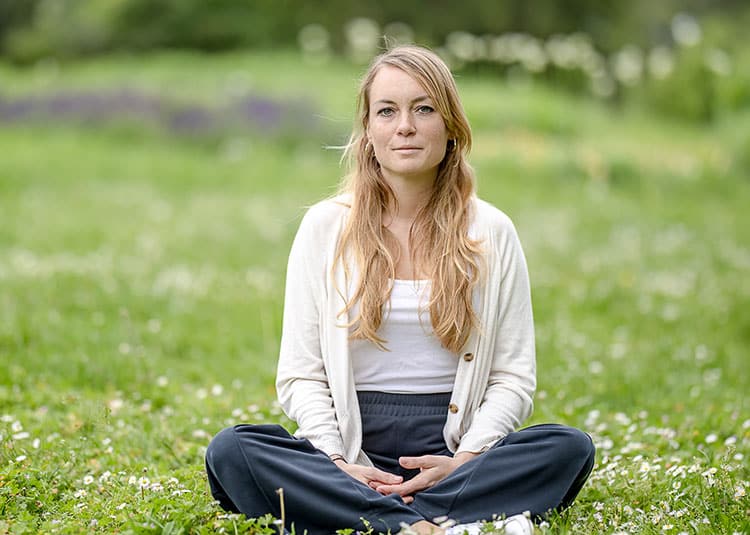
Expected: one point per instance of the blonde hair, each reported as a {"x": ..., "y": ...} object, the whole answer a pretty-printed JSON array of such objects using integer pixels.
[{"x": 438, "y": 239}]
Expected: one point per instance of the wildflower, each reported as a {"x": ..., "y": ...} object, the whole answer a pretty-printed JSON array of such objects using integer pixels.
[
  {"x": 217, "y": 390},
  {"x": 80, "y": 493},
  {"x": 739, "y": 492},
  {"x": 200, "y": 433},
  {"x": 36, "y": 443},
  {"x": 105, "y": 477},
  {"x": 20, "y": 458},
  {"x": 709, "y": 476},
  {"x": 162, "y": 381},
  {"x": 121, "y": 506},
  {"x": 16, "y": 427},
  {"x": 22, "y": 435},
  {"x": 7, "y": 418},
  {"x": 677, "y": 470},
  {"x": 710, "y": 439},
  {"x": 685, "y": 30},
  {"x": 88, "y": 480},
  {"x": 143, "y": 482}
]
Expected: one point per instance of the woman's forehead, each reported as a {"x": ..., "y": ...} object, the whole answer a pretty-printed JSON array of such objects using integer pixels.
[{"x": 394, "y": 84}]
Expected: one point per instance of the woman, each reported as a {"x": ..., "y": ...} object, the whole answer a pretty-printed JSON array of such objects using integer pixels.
[{"x": 407, "y": 353}]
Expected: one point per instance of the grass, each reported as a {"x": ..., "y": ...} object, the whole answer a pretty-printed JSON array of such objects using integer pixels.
[{"x": 141, "y": 278}]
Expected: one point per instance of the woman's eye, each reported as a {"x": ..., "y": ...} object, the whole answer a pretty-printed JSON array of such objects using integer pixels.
[
  {"x": 425, "y": 109},
  {"x": 385, "y": 112}
]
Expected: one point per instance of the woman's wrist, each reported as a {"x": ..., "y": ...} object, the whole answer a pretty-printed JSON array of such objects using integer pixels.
[
  {"x": 464, "y": 457},
  {"x": 336, "y": 457}
]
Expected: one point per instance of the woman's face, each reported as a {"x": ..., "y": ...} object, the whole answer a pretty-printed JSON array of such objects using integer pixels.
[{"x": 406, "y": 131}]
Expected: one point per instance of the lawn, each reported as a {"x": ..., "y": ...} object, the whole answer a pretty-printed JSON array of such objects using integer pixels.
[{"x": 142, "y": 259}]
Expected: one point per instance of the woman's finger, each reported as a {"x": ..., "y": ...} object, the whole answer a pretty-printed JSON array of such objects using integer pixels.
[
  {"x": 424, "y": 461},
  {"x": 381, "y": 476}
]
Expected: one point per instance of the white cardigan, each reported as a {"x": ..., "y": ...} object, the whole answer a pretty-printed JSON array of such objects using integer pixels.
[{"x": 496, "y": 375}]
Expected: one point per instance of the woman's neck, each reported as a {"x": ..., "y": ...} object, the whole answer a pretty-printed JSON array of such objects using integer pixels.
[{"x": 410, "y": 198}]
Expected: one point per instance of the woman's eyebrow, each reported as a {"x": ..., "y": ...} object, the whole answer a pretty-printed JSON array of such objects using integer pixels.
[{"x": 413, "y": 101}]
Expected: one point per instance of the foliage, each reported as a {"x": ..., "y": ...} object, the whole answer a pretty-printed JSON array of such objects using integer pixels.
[
  {"x": 32, "y": 27},
  {"x": 693, "y": 67},
  {"x": 142, "y": 278}
]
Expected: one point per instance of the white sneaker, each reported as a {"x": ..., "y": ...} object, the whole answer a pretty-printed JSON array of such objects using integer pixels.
[{"x": 513, "y": 525}]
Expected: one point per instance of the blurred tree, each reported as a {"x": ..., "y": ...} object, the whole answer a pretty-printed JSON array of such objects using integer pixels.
[
  {"x": 205, "y": 24},
  {"x": 223, "y": 24},
  {"x": 15, "y": 14}
]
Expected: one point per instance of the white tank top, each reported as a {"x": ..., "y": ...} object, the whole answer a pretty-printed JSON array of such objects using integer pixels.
[{"x": 415, "y": 362}]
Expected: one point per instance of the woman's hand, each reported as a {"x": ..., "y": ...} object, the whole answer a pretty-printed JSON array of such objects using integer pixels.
[
  {"x": 369, "y": 475},
  {"x": 432, "y": 470}
]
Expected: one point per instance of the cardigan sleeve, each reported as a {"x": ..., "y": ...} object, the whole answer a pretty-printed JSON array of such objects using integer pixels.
[
  {"x": 301, "y": 380},
  {"x": 508, "y": 396}
]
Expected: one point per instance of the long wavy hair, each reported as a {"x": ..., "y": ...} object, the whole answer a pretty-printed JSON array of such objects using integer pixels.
[{"x": 439, "y": 242}]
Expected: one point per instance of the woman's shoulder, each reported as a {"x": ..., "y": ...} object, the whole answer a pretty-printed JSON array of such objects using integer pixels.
[
  {"x": 324, "y": 214},
  {"x": 490, "y": 218}
]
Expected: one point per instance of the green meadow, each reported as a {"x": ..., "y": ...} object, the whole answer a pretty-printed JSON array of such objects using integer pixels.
[{"x": 142, "y": 261}]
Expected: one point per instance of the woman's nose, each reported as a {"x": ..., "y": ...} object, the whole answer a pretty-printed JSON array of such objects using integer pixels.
[{"x": 406, "y": 124}]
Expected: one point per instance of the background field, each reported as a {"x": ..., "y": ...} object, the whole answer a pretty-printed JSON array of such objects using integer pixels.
[{"x": 142, "y": 257}]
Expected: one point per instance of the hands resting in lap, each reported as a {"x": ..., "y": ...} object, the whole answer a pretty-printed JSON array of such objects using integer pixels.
[{"x": 432, "y": 470}]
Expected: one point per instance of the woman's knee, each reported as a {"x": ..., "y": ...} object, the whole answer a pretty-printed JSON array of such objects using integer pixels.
[
  {"x": 236, "y": 444},
  {"x": 222, "y": 448},
  {"x": 573, "y": 444}
]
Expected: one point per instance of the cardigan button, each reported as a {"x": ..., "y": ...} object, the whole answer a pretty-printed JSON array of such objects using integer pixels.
[
  {"x": 468, "y": 357},
  {"x": 453, "y": 408}
]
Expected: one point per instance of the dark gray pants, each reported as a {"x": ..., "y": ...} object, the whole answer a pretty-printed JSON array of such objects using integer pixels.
[{"x": 538, "y": 469}]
